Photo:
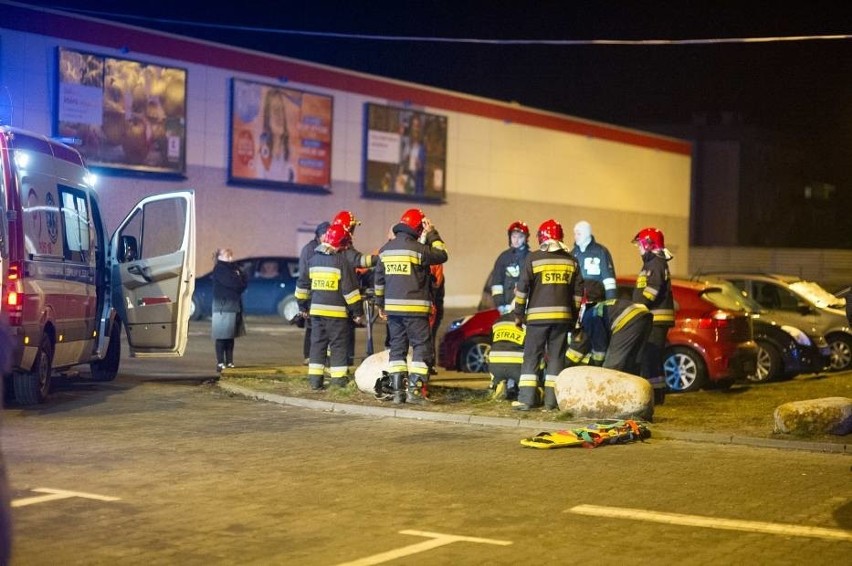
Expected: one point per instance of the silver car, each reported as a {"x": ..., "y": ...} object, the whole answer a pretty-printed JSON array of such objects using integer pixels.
[{"x": 804, "y": 304}]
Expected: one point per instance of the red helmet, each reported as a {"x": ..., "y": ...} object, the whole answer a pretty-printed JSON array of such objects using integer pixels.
[
  {"x": 650, "y": 239},
  {"x": 336, "y": 236},
  {"x": 346, "y": 219},
  {"x": 550, "y": 230},
  {"x": 518, "y": 226},
  {"x": 413, "y": 218}
]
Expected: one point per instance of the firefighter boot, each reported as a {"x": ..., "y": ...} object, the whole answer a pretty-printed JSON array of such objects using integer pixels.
[
  {"x": 659, "y": 395},
  {"x": 316, "y": 382},
  {"x": 550, "y": 403},
  {"x": 398, "y": 380},
  {"x": 416, "y": 392}
]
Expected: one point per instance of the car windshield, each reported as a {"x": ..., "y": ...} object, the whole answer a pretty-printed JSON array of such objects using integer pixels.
[
  {"x": 817, "y": 295},
  {"x": 724, "y": 295}
]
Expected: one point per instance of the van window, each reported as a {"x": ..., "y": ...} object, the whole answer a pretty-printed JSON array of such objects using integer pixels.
[
  {"x": 164, "y": 222},
  {"x": 75, "y": 213},
  {"x": 41, "y": 218}
]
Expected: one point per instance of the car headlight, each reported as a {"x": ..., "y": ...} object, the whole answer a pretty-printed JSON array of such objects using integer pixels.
[
  {"x": 457, "y": 323},
  {"x": 800, "y": 337}
]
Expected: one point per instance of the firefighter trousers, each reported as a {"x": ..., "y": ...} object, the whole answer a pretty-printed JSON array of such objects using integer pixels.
[
  {"x": 328, "y": 334},
  {"x": 413, "y": 331},
  {"x": 652, "y": 360},
  {"x": 550, "y": 340},
  {"x": 627, "y": 345}
]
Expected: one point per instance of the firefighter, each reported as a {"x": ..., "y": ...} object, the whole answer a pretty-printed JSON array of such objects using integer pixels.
[
  {"x": 507, "y": 267},
  {"x": 506, "y": 357},
  {"x": 363, "y": 264},
  {"x": 305, "y": 255},
  {"x": 613, "y": 332},
  {"x": 329, "y": 289},
  {"x": 403, "y": 295},
  {"x": 654, "y": 290},
  {"x": 594, "y": 258},
  {"x": 547, "y": 300}
]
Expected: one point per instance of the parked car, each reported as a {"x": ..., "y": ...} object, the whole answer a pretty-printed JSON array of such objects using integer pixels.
[
  {"x": 270, "y": 291},
  {"x": 783, "y": 351},
  {"x": 711, "y": 342},
  {"x": 803, "y": 304}
]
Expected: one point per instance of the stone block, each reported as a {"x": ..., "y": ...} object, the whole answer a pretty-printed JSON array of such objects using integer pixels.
[
  {"x": 593, "y": 392},
  {"x": 829, "y": 415}
]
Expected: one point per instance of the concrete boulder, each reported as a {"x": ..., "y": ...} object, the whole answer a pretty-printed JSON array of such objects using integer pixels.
[
  {"x": 829, "y": 415},
  {"x": 593, "y": 392},
  {"x": 371, "y": 369}
]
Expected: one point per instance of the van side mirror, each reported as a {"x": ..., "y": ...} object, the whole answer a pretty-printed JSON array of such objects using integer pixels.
[{"x": 129, "y": 249}]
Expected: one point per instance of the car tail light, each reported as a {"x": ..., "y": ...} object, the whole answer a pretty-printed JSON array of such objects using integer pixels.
[
  {"x": 718, "y": 320},
  {"x": 13, "y": 294}
]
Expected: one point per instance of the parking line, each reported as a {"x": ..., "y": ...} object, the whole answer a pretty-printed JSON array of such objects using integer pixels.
[
  {"x": 55, "y": 494},
  {"x": 711, "y": 522},
  {"x": 438, "y": 540}
]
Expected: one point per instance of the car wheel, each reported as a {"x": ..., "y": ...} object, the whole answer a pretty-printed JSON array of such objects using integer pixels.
[
  {"x": 841, "y": 351},
  {"x": 769, "y": 364},
  {"x": 288, "y": 308},
  {"x": 474, "y": 355},
  {"x": 684, "y": 369},
  {"x": 107, "y": 368},
  {"x": 32, "y": 388},
  {"x": 195, "y": 311}
]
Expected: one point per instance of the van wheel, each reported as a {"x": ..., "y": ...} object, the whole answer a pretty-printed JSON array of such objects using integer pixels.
[
  {"x": 684, "y": 370},
  {"x": 33, "y": 388},
  {"x": 107, "y": 368}
]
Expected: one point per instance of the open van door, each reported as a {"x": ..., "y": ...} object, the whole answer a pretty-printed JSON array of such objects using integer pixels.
[{"x": 152, "y": 259}]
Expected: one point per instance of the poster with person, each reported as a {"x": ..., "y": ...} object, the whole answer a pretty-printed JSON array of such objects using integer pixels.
[{"x": 280, "y": 137}]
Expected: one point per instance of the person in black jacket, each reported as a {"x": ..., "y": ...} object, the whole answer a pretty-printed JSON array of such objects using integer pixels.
[
  {"x": 654, "y": 290},
  {"x": 402, "y": 288},
  {"x": 229, "y": 283},
  {"x": 507, "y": 266},
  {"x": 304, "y": 257}
]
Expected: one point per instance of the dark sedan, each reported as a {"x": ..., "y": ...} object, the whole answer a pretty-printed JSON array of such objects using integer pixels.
[{"x": 270, "y": 291}]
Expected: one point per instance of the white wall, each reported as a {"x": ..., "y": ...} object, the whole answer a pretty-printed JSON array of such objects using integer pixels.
[{"x": 497, "y": 172}]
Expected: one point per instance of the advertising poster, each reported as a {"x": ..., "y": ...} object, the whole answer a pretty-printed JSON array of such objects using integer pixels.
[
  {"x": 122, "y": 114},
  {"x": 280, "y": 137},
  {"x": 406, "y": 154}
]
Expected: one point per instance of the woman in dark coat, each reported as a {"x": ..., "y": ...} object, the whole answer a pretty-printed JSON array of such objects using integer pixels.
[{"x": 229, "y": 282}]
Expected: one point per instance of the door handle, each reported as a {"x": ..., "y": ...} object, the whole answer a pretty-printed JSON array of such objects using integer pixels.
[{"x": 143, "y": 272}]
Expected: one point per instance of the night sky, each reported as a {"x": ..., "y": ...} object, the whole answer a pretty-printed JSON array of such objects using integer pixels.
[{"x": 802, "y": 88}]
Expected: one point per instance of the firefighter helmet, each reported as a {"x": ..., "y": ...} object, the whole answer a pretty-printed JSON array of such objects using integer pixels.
[
  {"x": 346, "y": 219},
  {"x": 336, "y": 236},
  {"x": 650, "y": 239},
  {"x": 550, "y": 230},
  {"x": 413, "y": 218},
  {"x": 518, "y": 226}
]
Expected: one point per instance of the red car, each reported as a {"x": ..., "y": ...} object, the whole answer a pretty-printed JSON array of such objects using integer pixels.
[{"x": 711, "y": 342}]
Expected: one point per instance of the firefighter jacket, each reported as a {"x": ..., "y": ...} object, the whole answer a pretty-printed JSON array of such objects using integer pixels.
[
  {"x": 600, "y": 322},
  {"x": 402, "y": 277},
  {"x": 550, "y": 288},
  {"x": 504, "y": 276},
  {"x": 654, "y": 288},
  {"x": 507, "y": 341},
  {"x": 330, "y": 285},
  {"x": 305, "y": 256},
  {"x": 359, "y": 260},
  {"x": 596, "y": 264}
]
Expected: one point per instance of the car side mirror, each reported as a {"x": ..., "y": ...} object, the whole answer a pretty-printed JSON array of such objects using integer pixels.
[
  {"x": 804, "y": 308},
  {"x": 129, "y": 249}
]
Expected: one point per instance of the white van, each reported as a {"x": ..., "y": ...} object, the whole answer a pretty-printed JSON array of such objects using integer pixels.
[{"x": 68, "y": 289}]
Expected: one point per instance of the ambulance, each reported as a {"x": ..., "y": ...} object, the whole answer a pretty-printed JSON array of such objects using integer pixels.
[{"x": 70, "y": 290}]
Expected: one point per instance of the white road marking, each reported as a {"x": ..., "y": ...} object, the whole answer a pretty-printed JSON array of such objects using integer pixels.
[
  {"x": 54, "y": 494},
  {"x": 438, "y": 540},
  {"x": 712, "y": 522}
]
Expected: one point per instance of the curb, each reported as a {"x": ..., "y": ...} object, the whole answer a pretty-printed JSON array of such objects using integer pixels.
[{"x": 460, "y": 418}]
